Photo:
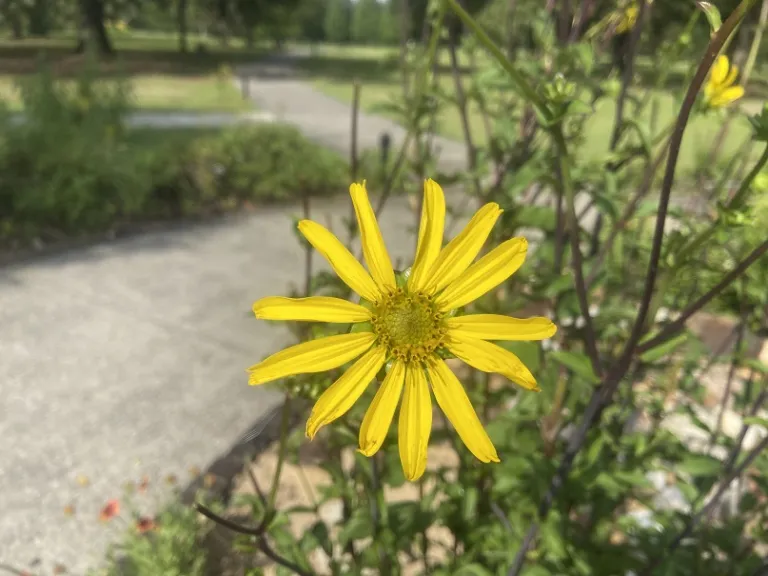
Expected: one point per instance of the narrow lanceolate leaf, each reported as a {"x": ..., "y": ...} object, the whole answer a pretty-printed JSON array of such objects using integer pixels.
[{"x": 577, "y": 363}]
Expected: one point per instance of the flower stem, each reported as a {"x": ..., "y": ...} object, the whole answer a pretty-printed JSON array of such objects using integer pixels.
[
  {"x": 519, "y": 80},
  {"x": 281, "y": 451},
  {"x": 735, "y": 203}
]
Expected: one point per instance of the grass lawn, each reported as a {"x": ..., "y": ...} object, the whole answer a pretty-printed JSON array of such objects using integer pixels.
[
  {"x": 333, "y": 70},
  {"x": 162, "y": 78}
]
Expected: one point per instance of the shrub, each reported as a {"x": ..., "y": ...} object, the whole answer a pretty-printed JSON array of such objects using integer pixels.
[
  {"x": 173, "y": 548},
  {"x": 269, "y": 162},
  {"x": 635, "y": 457},
  {"x": 65, "y": 167},
  {"x": 73, "y": 165}
]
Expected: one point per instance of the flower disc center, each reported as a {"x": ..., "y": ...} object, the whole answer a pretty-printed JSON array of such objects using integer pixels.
[{"x": 408, "y": 325}]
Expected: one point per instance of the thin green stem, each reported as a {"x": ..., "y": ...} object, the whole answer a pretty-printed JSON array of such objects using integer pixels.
[
  {"x": 517, "y": 78},
  {"x": 578, "y": 262},
  {"x": 755, "y": 48},
  {"x": 736, "y": 202},
  {"x": 281, "y": 452}
]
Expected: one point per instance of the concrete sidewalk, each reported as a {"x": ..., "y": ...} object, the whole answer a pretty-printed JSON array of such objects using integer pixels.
[
  {"x": 185, "y": 119},
  {"x": 128, "y": 359},
  {"x": 278, "y": 87}
]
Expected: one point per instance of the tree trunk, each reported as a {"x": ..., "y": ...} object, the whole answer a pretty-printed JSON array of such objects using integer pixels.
[
  {"x": 39, "y": 18},
  {"x": 181, "y": 21},
  {"x": 17, "y": 26},
  {"x": 95, "y": 31}
]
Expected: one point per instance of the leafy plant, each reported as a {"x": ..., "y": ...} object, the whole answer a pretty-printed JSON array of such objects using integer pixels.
[{"x": 595, "y": 478}]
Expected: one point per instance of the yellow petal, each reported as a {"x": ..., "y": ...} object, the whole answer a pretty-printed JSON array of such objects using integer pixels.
[
  {"x": 497, "y": 327},
  {"x": 430, "y": 234},
  {"x": 727, "y": 96},
  {"x": 374, "y": 250},
  {"x": 709, "y": 91},
  {"x": 459, "y": 253},
  {"x": 341, "y": 260},
  {"x": 312, "y": 309},
  {"x": 489, "y": 357},
  {"x": 453, "y": 401},
  {"x": 343, "y": 393},
  {"x": 415, "y": 422},
  {"x": 378, "y": 417},
  {"x": 719, "y": 69},
  {"x": 309, "y": 357},
  {"x": 731, "y": 77},
  {"x": 485, "y": 274}
]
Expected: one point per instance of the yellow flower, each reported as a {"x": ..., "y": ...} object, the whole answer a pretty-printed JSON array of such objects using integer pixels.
[
  {"x": 719, "y": 90},
  {"x": 627, "y": 19},
  {"x": 406, "y": 324}
]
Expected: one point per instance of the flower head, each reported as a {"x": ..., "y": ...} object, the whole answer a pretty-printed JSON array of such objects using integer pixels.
[
  {"x": 110, "y": 510},
  {"x": 721, "y": 88},
  {"x": 407, "y": 324},
  {"x": 627, "y": 19},
  {"x": 145, "y": 524}
]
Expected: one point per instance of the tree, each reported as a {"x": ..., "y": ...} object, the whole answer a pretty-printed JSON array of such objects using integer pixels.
[
  {"x": 181, "y": 23},
  {"x": 39, "y": 15},
  {"x": 13, "y": 13},
  {"x": 366, "y": 22},
  {"x": 311, "y": 16},
  {"x": 337, "y": 21},
  {"x": 389, "y": 23},
  {"x": 95, "y": 33}
]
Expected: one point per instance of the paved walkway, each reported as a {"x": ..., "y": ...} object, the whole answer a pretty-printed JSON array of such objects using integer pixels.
[
  {"x": 276, "y": 87},
  {"x": 129, "y": 358},
  {"x": 182, "y": 119}
]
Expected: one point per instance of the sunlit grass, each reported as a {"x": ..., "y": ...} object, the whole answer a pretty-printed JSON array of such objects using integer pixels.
[
  {"x": 208, "y": 93},
  {"x": 698, "y": 140}
]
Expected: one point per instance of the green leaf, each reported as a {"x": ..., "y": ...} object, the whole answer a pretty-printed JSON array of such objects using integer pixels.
[
  {"x": 473, "y": 570},
  {"x": 470, "y": 504},
  {"x": 406, "y": 519},
  {"x": 635, "y": 479},
  {"x": 608, "y": 483},
  {"x": 757, "y": 365},
  {"x": 579, "y": 107},
  {"x": 320, "y": 531},
  {"x": 577, "y": 363},
  {"x": 756, "y": 421},
  {"x": 585, "y": 55},
  {"x": 558, "y": 285},
  {"x": 664, "y": 348},
  {"x": 712, "y": 14},
  {"x": 699, "y": 465},
  {"x": 537, "y": 217},
  {"x": 551, "y": 538},
  {"x": 604, "y": 202},
  {"x": 359, "y": 526},
  {"x": 528, "y": 352},
  {"x": 646, "y": 208}
]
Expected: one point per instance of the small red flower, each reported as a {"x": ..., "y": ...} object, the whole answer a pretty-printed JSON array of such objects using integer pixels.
[
  {"x": 110, "y": 510},
  {"x": 144, "y": 525}
]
